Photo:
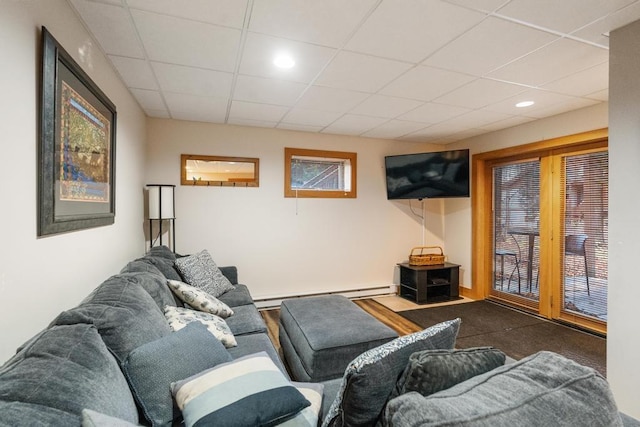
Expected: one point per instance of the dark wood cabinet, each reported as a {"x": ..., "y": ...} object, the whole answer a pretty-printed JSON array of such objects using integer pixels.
[{"x": 429, "y": 283}]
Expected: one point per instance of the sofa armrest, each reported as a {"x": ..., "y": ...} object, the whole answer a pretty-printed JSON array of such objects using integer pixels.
[{"x": 231, "y": 273}]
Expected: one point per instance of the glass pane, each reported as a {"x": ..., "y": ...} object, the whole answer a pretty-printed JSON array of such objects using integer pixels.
[
  {"x": 585, "y": 266},
  {"x": 317, "y": 174},
  {"x": 516, "y": 199}
]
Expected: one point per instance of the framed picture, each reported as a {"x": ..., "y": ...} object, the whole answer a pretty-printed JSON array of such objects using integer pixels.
[{"x": 76, "y": 175}]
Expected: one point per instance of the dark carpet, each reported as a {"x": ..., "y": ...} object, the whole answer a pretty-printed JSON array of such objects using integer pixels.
[{"x": 517, "y": 334}]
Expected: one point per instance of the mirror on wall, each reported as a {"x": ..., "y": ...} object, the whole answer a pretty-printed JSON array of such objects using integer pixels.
[{"x": 219, "y": 171}]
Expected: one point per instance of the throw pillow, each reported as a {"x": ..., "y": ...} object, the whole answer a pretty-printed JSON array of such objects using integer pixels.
[
  {"x": 370, "y": 378},
  {"x": 544, "y": 389},
  {"x": 200, "y": 271},
  {"x": 199, "y": 299},
  {"x": 151, "y": 368},
  {"x": 308, "y": 417},
  {"x": 430, "y": 371},
  {"x": 179, "y": 317},
  {"x": 249, "y": 391}
]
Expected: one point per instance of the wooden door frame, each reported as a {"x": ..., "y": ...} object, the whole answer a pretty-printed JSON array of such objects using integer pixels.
[{"x": 481, "y": 209}]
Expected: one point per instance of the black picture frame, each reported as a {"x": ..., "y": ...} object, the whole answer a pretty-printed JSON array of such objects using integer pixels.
[{"x": 77, "y": 146}]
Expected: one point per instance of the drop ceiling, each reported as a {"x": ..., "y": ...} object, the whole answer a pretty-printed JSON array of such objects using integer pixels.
[{"x": 413, "y": 70}]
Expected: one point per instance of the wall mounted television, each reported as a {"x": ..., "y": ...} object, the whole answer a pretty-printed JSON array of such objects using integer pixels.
[{"x": 428, "y": 175}]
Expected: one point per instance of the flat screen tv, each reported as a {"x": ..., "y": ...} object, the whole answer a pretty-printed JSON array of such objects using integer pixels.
[{"x": 428, "y": 175}]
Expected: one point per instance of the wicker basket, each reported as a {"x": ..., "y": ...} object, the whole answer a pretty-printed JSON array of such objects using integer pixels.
[{"x": 426, "y": 259}]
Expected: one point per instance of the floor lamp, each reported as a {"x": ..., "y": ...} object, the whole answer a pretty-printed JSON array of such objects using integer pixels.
[{"x": 162, "y": 208}]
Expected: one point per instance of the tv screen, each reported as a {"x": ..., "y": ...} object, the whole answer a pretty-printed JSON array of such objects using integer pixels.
[{"x": 428, "y": 175}]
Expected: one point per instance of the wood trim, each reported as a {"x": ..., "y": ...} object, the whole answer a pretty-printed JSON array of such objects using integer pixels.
[
  {"x": 481, "y": 206},
  {"x": 341, "y": 155}
]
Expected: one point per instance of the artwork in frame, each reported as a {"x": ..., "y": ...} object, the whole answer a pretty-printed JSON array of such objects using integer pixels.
[{"x": 76, "y": 175}]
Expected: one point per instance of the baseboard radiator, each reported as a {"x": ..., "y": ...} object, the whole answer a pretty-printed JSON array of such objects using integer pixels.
[{"x": 274, "y": 302}]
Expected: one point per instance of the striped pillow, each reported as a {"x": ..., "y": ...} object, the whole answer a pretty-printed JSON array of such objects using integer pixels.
[{"x": 250, "y": 390}]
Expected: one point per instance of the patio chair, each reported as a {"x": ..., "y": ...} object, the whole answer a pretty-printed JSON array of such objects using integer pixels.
[{"x": 576, "y": 244}]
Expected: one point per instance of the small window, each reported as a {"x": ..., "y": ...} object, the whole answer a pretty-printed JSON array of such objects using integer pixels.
[{"x": 318, "y": 173}]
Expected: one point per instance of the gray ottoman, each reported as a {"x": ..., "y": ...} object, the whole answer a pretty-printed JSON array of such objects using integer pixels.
[{"x": 319, "y": 336}]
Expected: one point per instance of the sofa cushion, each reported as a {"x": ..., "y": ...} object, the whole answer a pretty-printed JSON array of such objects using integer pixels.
[
  {"x": 248, "y": 391},
  {"x": 239, "y": 295},
  {"x": 255, "y": 343},
  {"x": 201, "y": 271},
  {"x": 162, "y": 252},
  {"x": 151, "y": 368},
  {"x": 230, "y": 272},
  {"x": 65, "y": 369},
  {"x": 199, "y": 299},
  {"x": 543, "y": 389},
  {"x": 124, "y": 313},
  {"x": 19, "y": 414},
  {"x": 152, "y": 280},
  {"x": 430, "y": 371},
  {"x": 371, "y": 377},
  {"x": 166, "y": 266},
  {"x": 179, "y": 317},
  {"x": 246, "y": 320}
]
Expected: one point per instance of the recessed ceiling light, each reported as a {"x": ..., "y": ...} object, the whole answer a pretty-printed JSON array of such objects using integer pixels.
[
  {"x": 524, "y": 104},
  {"x": 284, "y": 60}
]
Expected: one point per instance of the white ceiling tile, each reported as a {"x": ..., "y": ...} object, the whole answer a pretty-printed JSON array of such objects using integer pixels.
[
  {"x": 250, "y": 111},
  {"x": 602, "y": 95},
  {"x": 480, "y": 5},
  {"x": 136, "y": 73},
  {"x": 267, "y": 91},
  {"x": 582, "y": 83},
  {"x": 411, "y": 30},
  {"x": 489, "y": 45},
  {"x": 564, "y": 16},
  {"x": 188, "y": 43},
  {"x": 596, "y": 32},
  {"x": 385, "y": 106},
  {"x": 476, "y": 118},
  {"x": 111, "y": 26},
  {"x": 425, "y": 83},
  {"x": 433, "y": 113},
  {"x": 229, "y": 13},
  {"x": 479, "y": 93},
  {"x": 253, "y": 123},
  {"x": 562, "y": 107},
  {"x": 507, "y": 123},
  {"x": 149, "y": 99},
  {"x": 330, "y": 99},
  {"x": 193, "y": 81},
  {"x": 558, "y": 59},
  {"x": 308, "y": 117},
  {"x": 365, "y": 73},
  {"x": 327, "y": 22},
  {"x": 160, "y": 114},
  {"x": 260, "y": 51},
  {"x": 182, "y": 106},
  {"x": 351, "y": 124},
  {"x": 394, "y": 129},
  {"x": 303, "y": 128},
  {"x": 542, "y": 99}
]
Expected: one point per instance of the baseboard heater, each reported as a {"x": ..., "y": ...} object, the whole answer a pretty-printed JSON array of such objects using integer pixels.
[{"x": 272, "y": 302}]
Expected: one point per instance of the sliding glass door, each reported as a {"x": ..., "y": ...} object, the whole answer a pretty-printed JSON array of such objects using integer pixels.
[
  {"x": 516, "y": 226},
  {"x": 584, "y": 242},
  {"x": 548, "y": 231}
]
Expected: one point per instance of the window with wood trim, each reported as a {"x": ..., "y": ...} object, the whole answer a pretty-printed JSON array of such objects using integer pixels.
[{"x": 319, "y": 173}]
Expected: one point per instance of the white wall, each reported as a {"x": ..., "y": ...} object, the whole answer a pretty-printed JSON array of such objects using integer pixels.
[
  {"x": 623, "y": 340},
  {"x": 283, "y": 246},
  {"x": 40, "y": 277},
  {"x": 457, "y": 213}
]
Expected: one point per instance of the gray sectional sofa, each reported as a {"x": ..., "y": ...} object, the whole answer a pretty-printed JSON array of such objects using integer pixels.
[{"x": 101, "y": 363}]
